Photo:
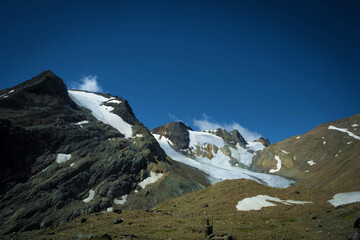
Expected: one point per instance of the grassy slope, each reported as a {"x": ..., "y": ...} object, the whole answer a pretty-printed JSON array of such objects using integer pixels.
[{"x": 182, "y": 217}]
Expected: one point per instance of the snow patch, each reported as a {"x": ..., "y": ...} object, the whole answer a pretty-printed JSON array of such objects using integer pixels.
[
  {"x": 354, "y": 125},
  {"x": 82, "y": 122},
  {"x": 90, "y": 197},
  {"x": 298, "y": 137},
  {"x": 5, "y": 95},
  {"x": 149, "y": 180},
  {"x": 278, "y": 165},
  {"x": 45, "y": 168},
  {"x": 121, "y": 200},
  {"x": 61, "y": 157},
  {"x": 254, "y": 146},
  {"x": 311, "y": 162},
  {"x": 336, "y": 155},
  {"x": 114, "y": 101},
  {"x": 345, "y": 198},
  {"x": 136, "y": 136},
  {"x": 95, "y": 103},
  {"x": 284, "y": 151},
  {"x": 324, "y": 142},
  {"x": 73, "y": 164},
  {"x": 345, "y": 131},
  {"x": 109, "y": 209},
  {"x": 306, "y": 170},
  {"x": 349, "y": 142},
  {"x": 260, "y": 201}
]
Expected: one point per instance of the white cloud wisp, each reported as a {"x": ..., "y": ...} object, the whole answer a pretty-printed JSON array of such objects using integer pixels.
[
  {"x": 206, "y": 124},
  {"x": 89, "y": 83}
]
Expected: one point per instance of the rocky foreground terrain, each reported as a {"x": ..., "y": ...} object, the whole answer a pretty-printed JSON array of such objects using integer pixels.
[
  {"x": 79, "y": 165},
  {"x": 184, "y": 217}
]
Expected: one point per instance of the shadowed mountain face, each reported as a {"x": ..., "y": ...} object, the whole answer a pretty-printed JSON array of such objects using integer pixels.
[
  {"x": 326, "y": 157},
  {"x": 55, "y": 153}
]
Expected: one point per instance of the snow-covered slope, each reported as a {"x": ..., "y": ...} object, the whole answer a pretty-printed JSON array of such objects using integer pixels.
[
  {"x": 97, "y": 104},
  {"x": 212, "y": 155}
]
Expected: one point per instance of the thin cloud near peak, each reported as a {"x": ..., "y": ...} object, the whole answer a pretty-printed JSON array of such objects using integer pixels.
[
  {"x": 206, "y": 124},
  {"x": 89, "y": 83}
]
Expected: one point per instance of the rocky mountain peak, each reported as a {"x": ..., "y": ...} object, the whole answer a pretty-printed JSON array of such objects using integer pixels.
[
  {"x": 232, "y": 138},
  {"x": 264, "y": 141},
  {"x": 177, "y": 132},
  {"x": 43, "y": 85}
]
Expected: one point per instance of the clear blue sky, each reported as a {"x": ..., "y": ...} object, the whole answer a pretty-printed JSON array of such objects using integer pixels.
[{"x": 279, "y": 68}]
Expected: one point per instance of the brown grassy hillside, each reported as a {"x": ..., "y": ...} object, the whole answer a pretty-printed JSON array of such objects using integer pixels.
[{"x": 183, "y": 217}]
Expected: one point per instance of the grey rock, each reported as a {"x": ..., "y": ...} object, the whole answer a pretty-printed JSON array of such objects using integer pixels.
[
  {"x": 263, "y": 141},
  {"x": 177, "y": 132},
  {"x": 106, "y": 236},
  {"x": 117, "y": 221}
]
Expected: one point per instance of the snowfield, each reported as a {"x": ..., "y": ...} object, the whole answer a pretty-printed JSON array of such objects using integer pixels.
[
  {"x": 243, "y": 155},
  {"x": 219, "y": 167},
  {"x": 345, "y": 198},
  {"x": 103, "y": 113},
  {"x": 260, "y": 201}
]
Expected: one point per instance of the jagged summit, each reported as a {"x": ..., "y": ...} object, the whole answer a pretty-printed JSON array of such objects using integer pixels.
[{"x": 233, "y": 138}]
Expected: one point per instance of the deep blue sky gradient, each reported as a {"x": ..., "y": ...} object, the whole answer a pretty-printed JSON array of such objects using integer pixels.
[{"x": 279, "y": 68}]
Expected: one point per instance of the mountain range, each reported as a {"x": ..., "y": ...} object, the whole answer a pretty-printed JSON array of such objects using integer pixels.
[{"x": 69, "y": 154}]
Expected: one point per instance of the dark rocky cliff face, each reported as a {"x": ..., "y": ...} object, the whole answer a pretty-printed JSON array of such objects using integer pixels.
[{"x": 38, "y": 121}]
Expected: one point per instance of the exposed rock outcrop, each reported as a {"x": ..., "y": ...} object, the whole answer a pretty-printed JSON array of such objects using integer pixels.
[
  {"x": 233, "y": 138},
  {"x": 263, "y": 141},
  {"x": 177, "y": 132}
]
